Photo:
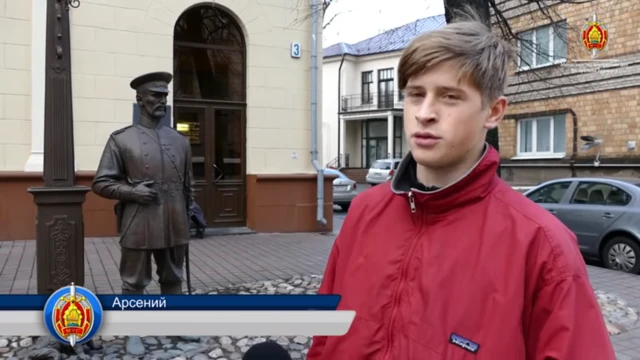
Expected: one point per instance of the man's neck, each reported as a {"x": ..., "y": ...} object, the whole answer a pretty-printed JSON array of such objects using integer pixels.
[
  {"x": 149, "y": 122},
  {"x": 442, "y": 177}
]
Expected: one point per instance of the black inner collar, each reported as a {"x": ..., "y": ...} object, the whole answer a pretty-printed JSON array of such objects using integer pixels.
[{"x": 413, "y": 177}]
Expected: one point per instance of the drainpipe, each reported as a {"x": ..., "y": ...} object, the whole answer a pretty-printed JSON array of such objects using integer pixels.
[
  {"x": 315, "y": 7},
  {"x": 574, "y": 154},
  {"x": 344, "y": 54}
]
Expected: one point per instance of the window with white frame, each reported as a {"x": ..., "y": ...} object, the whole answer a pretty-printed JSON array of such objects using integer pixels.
[
  {"x": 542, "y": 46},
  {"x": 542, "y": 136}
]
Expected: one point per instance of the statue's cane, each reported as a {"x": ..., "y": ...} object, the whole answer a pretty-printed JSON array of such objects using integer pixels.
[{"x": 188, "y": 269}]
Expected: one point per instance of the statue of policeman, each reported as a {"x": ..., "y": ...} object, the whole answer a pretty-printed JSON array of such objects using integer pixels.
[{"x": 146, "y": 167}]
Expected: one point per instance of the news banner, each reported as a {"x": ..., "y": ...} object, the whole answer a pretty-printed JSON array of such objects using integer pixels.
[{"x": 74, "y": 315}]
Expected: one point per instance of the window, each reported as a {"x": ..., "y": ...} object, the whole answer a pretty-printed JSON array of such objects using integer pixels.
[
  {"x": 367, "y": 81},
  {"x": 594, "y": 193},
  {"x": 543, "y": 46},
  {"x": 374, "y": 142},
  {"x": 209, "y": 56},
  {"x": 399, "y": 146},
  {"x": 550, "y": 194},
  {"x": 543, "y": 136},
  {"x": 385, "y": 88}
]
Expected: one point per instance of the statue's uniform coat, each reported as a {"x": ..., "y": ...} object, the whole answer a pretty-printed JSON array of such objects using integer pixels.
[{"x": 162, "y": 155}]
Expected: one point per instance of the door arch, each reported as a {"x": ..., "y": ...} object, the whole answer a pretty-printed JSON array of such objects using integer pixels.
[{"x": 209, "y": 99}]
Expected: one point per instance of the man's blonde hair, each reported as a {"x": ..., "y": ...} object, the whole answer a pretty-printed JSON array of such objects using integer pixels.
[{"x": 481, "y": 56}]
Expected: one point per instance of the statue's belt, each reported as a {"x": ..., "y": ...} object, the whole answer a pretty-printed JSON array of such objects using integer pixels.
[{"x": 166, "y": 186}]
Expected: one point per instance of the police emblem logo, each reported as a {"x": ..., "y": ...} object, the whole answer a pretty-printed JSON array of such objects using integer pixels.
[
  {"x": 595, "y": 36},
  {"x": 73, "y": 315}
]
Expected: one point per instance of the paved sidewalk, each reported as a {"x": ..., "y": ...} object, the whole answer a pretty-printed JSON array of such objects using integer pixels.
[
  {"x": 225, "y": 260},
  {"x": 215, "y": 261},
  {"x": 627, "y": 287}
]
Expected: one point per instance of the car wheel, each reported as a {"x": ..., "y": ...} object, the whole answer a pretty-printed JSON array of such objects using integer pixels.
[
  {"x": 345, "y": 207},
  {"x": 621, "y": 253}
]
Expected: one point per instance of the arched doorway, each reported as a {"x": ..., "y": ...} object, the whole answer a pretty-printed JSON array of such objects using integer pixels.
[{"x": 210, "y": 106}]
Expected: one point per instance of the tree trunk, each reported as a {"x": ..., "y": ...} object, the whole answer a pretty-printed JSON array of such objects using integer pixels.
[{"x": 481, "y": 7}]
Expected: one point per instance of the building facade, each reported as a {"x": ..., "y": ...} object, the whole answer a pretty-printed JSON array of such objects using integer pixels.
[
  {"x": 241, "y": 92},
  {"x": 362, "y": 106},
  {"x": 560, "y": 92}
]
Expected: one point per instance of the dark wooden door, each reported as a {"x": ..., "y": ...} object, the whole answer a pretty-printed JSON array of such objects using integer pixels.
[
  {"x": 228, "y": 165},
  {"x": 218, "y": 157},
  {"x": 192, "y": 120}
]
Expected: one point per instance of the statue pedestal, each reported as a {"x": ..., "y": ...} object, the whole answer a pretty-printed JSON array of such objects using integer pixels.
[{"x": 59, "y": 236}]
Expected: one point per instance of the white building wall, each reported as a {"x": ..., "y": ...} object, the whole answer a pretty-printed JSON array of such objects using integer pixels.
[
  {"x": 15, "y": 84},
  {"x": 330, "y": 110},
  {"x": 351, "y": 86}
]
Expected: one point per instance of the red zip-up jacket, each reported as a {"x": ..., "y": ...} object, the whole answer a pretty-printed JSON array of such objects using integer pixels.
[{"x": 472, "y": 271}]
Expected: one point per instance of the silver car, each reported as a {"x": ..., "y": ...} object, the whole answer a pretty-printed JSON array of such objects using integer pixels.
[
  {"x": 382, "y": 171},
  {"x": 604, "y": 213},
  {"x": 344, "y": 189}
]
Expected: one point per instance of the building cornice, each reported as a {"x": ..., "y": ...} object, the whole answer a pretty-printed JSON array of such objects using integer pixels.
[
  {"x": 378, "y": 56},
  {"x": 575, "y": 78}
]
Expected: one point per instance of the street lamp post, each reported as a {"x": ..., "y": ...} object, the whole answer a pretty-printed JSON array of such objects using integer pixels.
[{"x": 59, "y": 222}]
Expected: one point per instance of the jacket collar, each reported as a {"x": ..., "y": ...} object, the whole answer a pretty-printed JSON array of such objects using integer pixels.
[{"x": 471, "y": 187}]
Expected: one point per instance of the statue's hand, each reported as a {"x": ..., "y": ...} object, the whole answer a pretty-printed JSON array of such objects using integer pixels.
[{"x": 143, "y": 194}]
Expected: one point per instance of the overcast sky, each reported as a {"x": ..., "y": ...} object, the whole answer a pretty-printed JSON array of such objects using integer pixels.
[{"x": 361, "y": 19}]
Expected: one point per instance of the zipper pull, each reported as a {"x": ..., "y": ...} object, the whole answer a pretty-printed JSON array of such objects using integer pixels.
[{"x": 412, "y": 202}]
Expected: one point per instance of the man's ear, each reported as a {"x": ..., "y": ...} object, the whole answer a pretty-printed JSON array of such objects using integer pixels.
[
  {"x": 139, "y": 99},
  {"x": 496, "y": 113}
]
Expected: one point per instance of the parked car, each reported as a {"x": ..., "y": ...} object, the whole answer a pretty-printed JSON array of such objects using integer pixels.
[
  {"x": 604, "y": 213},
  {"x": 344, "y": 189},
  {"x": 382, "y": 171}
]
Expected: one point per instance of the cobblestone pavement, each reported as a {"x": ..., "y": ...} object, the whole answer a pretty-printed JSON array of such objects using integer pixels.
[{"x": 222, "y": 261}]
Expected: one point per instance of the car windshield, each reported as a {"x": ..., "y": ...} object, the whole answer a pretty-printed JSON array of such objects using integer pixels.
[{"x": 382, "y": 165}]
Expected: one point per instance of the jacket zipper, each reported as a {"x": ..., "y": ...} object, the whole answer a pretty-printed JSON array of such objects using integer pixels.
[{"x": 403, "y": 275}]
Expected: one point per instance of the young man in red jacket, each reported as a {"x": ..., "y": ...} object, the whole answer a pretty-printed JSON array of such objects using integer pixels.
[{"x": 447, "y": 261}]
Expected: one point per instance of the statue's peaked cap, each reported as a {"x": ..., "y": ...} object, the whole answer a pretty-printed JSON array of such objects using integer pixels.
[{"x": 155, "y": 81}]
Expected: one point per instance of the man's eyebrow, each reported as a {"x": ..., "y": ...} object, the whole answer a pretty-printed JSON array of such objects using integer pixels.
[
  {"x": 413, "y": 87},
  {"x": 450, "y": 89},
  {"x": 438, "y": 88}
]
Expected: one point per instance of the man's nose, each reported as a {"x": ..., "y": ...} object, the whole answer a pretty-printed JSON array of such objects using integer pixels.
[{"x": 426, "y": 112}]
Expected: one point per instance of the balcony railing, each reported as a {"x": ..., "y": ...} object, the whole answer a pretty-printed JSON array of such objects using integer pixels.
[{"x": 371, "y": 101}]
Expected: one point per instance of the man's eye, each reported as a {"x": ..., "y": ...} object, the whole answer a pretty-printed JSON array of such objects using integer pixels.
[
  {"x": 415, "y": 94},
  {"x": 451, "y": 97}
]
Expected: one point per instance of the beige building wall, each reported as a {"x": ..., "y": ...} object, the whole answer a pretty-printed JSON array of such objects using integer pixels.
[
  {"x": 15, "y": 88},
  {"x": 113, "y": 41}
]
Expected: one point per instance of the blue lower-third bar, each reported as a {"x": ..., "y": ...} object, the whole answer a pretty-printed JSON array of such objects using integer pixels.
[{"x": 187, "y": 302}]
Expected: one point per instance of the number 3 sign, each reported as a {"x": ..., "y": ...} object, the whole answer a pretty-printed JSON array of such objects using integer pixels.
[{"x": 295, "y": 50}]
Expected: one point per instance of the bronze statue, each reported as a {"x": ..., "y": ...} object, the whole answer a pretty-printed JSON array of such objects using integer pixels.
[{"x": 147, "y": 168}]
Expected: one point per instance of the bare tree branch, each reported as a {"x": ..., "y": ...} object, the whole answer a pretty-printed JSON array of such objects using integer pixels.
[{"x": 305, "y": 10}]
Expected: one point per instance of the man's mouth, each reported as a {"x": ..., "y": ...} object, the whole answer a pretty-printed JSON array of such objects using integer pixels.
[
  {"x": 425, "y": 135},
  {"x": 425, "y": 139}
]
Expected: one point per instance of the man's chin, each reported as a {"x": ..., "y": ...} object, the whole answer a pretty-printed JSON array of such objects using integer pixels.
[{"x": 429, "y": 158}]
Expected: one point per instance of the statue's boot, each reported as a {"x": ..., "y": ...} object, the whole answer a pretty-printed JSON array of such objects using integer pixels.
[
  {"x": 176, "y": 289},
  {"x": 171, "y": 289},
  {"x": 134, "y": 346}
]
